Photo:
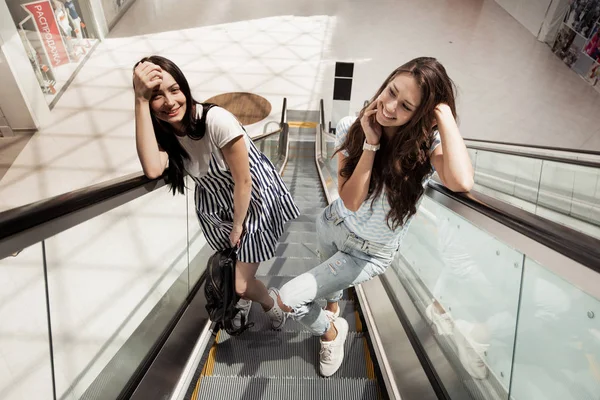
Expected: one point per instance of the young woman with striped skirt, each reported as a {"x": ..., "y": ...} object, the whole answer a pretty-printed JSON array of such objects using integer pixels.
[{"x": 240, "y": 197}]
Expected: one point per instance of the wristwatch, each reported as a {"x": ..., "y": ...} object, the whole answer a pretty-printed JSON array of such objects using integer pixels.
[{"x": 370, "y": 147}]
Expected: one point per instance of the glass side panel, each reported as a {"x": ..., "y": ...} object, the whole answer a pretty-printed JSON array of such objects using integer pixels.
[
  {"x": 115, "y": 282},
  {"x": 466, "y": 285},
  {"x": 269, "y": 146},
  {"x": 558, "y": 340},
  {"x": 24, "y": 351}
]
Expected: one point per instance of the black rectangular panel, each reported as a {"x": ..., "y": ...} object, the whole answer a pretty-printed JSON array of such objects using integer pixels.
[
  {"x": 342, "y": 87},
  {"x": 344, "y": 69}
]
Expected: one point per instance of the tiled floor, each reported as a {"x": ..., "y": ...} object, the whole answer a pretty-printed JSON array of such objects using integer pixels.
[{"x": 511, "y": 86}]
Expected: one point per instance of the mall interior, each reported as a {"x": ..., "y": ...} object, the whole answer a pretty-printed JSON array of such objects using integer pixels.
[{"x": 492, "y": 294}]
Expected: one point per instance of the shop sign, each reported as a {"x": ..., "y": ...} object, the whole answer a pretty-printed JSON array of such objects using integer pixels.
[{"x": 47, "y": 27}]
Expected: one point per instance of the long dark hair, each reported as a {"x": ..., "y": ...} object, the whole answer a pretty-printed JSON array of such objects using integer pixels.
[
  {"x": 165, "y": 133},
  {"x": 402, "y": 163}
]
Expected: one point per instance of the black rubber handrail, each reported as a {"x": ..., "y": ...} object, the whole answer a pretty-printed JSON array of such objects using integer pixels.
[
  {"x": 20, "y": 219},
  {"x": 563, "y": 160},
  {"x": 322, "y": 114},
  {"x": 533, "y": 146},
  {"x": 573, "y": 244},
  {"x": 283, "y": 111}
]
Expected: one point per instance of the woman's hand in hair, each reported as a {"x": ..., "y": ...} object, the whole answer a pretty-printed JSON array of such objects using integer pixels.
[
  {"x": 370, "y": 125},
  {"x": 442, "y": 111},
  {"x": 146, "y": 78}
]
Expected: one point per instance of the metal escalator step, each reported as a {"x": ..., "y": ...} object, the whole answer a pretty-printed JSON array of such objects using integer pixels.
[
  {"x": 300, "y": 237},
  {"x": 312, "y": 193},
  {"x": 315, "y": 198},
  {"x": 298, "y": 177},
  {"x": 281, "y": 354},
  {"x": 305, "y": 217},
  {"x": 296, "y": 250},
  {"x": 253, "y": 388},
  {"x": 262, "y": 322},
  {"x": 310, "y": 209},
  {"x": 305, "y": 182},
  {"x": 287, "y": 266},
  {"x": 279, "y": 281},
  {"x": 293, "y": 226},
  {"x": 292, "y": 184}
]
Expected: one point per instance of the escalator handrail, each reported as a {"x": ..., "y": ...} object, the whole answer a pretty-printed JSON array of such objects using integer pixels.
[
  {"x": 564, "y": 160},
  {"x": 533, "y": 146},
  {"x": 573, "y": 244},
  {"x": 22, "y": 220}
]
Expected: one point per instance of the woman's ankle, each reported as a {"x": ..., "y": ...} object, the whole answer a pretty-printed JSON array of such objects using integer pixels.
[
  {"x": 333, "y": 307},
  {"x": 331, "y": 334}
]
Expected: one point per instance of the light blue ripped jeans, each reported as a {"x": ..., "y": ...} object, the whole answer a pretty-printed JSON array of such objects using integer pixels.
[{"x": 346, "y": 261}]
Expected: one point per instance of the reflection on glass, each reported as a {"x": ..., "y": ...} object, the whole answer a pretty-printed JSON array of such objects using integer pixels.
[
  {"x": 564, "y": 193},
  {"x": 269, "y": 146},
  {"x": 330, "y": 159},
  {"x": 24, "y": 352},
  {"x": 115, "y": 282},
  {"x": 558, "y": 340},
  {"x": 466, "y": 284}
]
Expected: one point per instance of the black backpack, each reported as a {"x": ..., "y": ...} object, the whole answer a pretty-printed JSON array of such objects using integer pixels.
[{"x": 219, "y": 290}]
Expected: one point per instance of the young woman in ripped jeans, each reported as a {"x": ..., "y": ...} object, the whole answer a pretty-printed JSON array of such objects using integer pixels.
[{"x": 385, "y": 157}]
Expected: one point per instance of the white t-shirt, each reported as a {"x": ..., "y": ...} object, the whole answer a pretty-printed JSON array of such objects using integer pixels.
[
  {"x": 366, "y": 222},
  {"x": 221, "y": 128}
]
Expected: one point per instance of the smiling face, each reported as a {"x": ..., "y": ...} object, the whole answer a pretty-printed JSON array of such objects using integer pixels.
[
  {"x": 168, "y": 102},
  {"x": 398, "y": 102}
]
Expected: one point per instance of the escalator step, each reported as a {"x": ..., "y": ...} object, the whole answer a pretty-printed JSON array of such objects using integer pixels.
[
  {"x": 307, "y": 198},
  {"x": 251, "y": 388},
  {"x": 306, "y": 217},
  {"x": 281, "y": 354},
  {"x": 292, "y": 184},
  {"x": 296, "y": 250},
  {"x": 293, "y": 226},
  {"x": 287, "y": 267},
  {"x": 310, "y": 209},
  {"x": 299, "y": 237},
  {"x": 262, "y": 322}
]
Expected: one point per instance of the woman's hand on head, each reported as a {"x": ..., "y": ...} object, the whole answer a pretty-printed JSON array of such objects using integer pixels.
[
  {"x": 370, "y": 125},
  {"x": 442, "y": 110},
  {"x": 146, "y": 77}
]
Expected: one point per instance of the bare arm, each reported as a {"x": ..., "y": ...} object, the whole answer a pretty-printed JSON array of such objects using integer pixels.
[
  {"x": 355, "y": 189},
  {"x": 451, "y": 160},
  {"x": 147, "y": 77},
  {"x": 236, "y": 156}
]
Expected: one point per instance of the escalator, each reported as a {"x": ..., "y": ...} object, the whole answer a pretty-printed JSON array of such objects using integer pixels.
[
  {"x": 520, "y": 295},
  {"x": 265, "y": 364}
]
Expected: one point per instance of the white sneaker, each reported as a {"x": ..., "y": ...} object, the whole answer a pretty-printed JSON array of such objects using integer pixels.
[
  {"x": 244, "y": 307},
  {"x": 276, "y": 314},
  {"x": 332, "y": 352},
  {"x": 470, "y": 352},
  {"x": 332, "y": 316},
  {"x": 443, "y": 322}
]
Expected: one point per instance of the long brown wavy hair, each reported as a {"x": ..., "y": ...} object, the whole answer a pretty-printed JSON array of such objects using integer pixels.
[{"x": 402, "y": 164}]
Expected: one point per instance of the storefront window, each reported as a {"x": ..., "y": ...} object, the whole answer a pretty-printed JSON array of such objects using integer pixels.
[
  {"x": 578, "y": 40},
  {"x": 56, "y": 39},
  {"x": 113, "y": 9}
]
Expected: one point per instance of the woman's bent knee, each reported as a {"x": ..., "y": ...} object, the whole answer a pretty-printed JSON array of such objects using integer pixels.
[{"x": 241, "y": 287}]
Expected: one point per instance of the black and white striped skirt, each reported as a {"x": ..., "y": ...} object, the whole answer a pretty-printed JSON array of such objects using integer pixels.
[{"x": 271, "y": 206}]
